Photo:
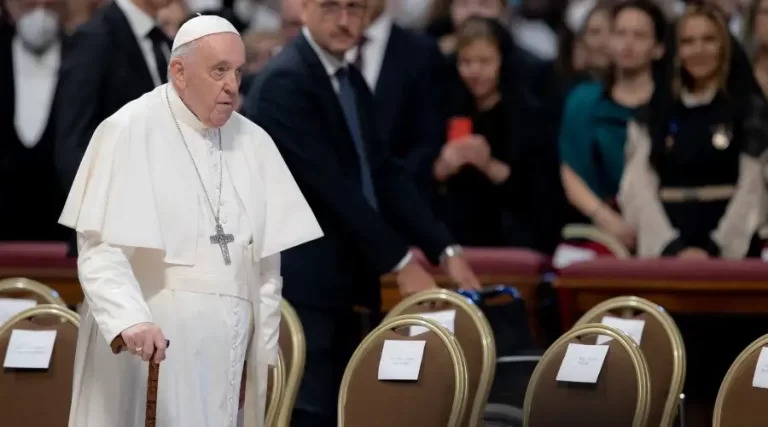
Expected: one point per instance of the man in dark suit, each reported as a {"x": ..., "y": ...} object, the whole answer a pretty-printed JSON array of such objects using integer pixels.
[
  {"x": 30, "y": 55},
  {"x": 117, "y": 56},
  {"x": 406, "y": 73},
  {"x": 318, "y": 109}
]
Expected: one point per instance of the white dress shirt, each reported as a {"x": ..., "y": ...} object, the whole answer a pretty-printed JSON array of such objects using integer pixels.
[
  {"x": 141, "y": 23},
  {"x": 34, "y": 83},
  {"x": 374, "y": 49},
  {"x": 332, "y": 65}
]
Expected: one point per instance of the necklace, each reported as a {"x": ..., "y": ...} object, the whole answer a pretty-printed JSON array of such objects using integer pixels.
[{"x": 220, "y": 238}]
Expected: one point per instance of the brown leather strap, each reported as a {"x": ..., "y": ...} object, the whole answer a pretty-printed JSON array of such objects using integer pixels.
[{"x": 118, "y": 346}]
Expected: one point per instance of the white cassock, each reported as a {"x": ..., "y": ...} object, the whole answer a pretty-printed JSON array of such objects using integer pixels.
[{"x": 144, "y": 228}]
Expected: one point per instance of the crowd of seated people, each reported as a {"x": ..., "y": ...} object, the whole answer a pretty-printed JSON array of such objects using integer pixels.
[{"x": 641, "y": 119}]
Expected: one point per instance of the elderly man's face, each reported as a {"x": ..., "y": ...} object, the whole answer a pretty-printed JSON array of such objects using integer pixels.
[
  {"x": 335, "y": 24},
  {"x": 208, "y": 79}
]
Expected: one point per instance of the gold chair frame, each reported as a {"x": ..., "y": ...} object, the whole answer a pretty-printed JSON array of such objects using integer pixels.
[
  {"x": 725, "y": 385},
  {"x": 278, "y": 388},
  {"x": 643, "y": 406},
  {"x": 294, "y": 370},
  {"x": 34, "y": 287},
  {"x": 44, "y": 309},
  {"x": 672, "y": 403},
  {"x": 486, "y": 335},
  {"x": 590, "y": 232},
  {"x": 454, "y": 349}
]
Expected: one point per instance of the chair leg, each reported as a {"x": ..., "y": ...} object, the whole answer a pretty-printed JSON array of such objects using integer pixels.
[{"x": 681, "y": 410}]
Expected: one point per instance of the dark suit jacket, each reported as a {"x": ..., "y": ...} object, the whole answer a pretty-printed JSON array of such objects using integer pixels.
[
  {"x": 294, "y": 101},
  {"x": 30, "y": 197},
  {"x": 102, "y": 70},
  {"x": 408, "y": 102}
]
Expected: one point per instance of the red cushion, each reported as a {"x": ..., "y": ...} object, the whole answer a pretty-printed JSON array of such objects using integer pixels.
[
  {"x": 669, "y": 269},
  {"x": 35, "y": 255},
  {"x": 498, "y": 261}
]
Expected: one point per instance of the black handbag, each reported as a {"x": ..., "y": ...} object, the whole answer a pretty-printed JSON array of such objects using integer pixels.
[{"x": 509, "y": 320}]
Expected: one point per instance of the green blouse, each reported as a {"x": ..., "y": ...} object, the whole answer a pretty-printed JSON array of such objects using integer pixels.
[{"x": 593, "y": 133}]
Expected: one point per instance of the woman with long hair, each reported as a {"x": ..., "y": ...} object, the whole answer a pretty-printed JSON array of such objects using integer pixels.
[
  {"x": 756, "y": 41},
  {"x": 693, "y": 184},
  {"x": 593, "y": 129},
  {"x": 496, "y": 165},
  {"x": 584, "y": 52}
]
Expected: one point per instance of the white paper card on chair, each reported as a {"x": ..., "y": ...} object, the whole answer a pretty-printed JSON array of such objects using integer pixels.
[
  {"x": 401, "y": 360},
  {"x": 760, "y": 379},
  {"x": 582, "y": 363},
  {"x": 632, "y": 327},
  {"x": 446, "y": 318},
  {"x": 30, "y": 349},
  {"x": 9, "y": 307}
]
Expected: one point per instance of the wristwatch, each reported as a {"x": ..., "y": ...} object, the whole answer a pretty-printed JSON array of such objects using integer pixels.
[{"x": 451, "y": 251}]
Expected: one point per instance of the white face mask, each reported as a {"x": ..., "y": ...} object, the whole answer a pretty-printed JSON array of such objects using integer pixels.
[
  {"x": 412, "y": 14},
  {"x": 38, "y": 29}
]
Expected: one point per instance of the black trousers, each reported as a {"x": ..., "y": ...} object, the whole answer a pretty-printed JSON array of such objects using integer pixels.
[{"x": 332, "y": 336}]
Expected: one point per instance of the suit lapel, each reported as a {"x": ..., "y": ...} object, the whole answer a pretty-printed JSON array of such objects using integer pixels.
[
  {"x": 389, "y": 86},
  {"x": 328, "y": 98},
  {"x": 126, "y": 41}
]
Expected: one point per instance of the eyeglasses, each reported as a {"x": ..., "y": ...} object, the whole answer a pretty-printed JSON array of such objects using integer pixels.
[{"x": 333, "y": 9}]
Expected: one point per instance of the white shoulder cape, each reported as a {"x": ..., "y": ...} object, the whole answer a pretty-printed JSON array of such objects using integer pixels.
[{"x": 137, "y": 186}]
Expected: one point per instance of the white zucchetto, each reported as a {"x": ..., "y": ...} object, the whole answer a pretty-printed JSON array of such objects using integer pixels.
[{"x": 201, "y": 26}]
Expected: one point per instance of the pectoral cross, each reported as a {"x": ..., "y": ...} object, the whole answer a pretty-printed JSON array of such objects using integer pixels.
[{"x": 222, "y": 240}]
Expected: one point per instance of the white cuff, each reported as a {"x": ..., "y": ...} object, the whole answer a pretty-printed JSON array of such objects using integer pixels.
[{"x": 403, "y": 262}]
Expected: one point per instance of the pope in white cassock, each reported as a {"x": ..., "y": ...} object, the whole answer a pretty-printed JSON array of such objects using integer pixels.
[{"x": 182, "y": 208}]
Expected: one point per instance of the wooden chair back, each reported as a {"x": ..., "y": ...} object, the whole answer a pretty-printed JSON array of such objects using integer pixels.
[
  {"x": 619, "y": 398},
  {"x": 22, "y": 391},
  {"x": 475, "y": 336},
  {"x": 437, "y": 399},
  {"x": 293, "y": 348},
  {"x": 21, "y": 287},
  {"x": 597, "y": 236},
  {"x": 662, "y": 346},
  {"x": 739, "y": 403}
]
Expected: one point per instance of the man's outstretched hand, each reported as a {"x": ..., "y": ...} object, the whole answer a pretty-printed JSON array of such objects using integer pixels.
[
  {"x": 457, "y": 268},
  {"x": 413, "y": 279}
]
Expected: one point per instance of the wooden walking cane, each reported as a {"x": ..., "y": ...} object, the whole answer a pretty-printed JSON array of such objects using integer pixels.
[{"x": 118, "y": 346}]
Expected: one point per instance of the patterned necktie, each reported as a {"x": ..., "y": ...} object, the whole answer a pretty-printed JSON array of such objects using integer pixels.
[
  {"x": 348, "y": 102},
  {"x": 160, "y": 44}
]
